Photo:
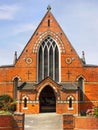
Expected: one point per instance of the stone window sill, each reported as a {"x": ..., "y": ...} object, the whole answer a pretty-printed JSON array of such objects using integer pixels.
[
  {"x": 25, "y": 108},
  {"x": 70, "y": 108}
]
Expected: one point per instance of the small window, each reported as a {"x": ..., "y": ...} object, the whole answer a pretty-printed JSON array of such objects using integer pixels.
[
  {"x": 48, "y": 22},
  {"x": 70, "y": 100},
  {"x": 70, "y": 103},
  {"x": 25, "y": 102}
]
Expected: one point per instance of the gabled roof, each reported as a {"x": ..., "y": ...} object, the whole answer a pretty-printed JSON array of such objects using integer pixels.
[
  {"x": 42, "y": 31},
  {"x": 31, "y": 86},
  {"x": 47, "y": 81}
]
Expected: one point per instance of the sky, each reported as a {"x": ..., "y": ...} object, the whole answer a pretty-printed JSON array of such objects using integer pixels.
[{"x": 20, "y": 18}]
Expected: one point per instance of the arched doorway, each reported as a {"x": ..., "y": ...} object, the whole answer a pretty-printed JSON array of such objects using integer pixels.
[{"x": 47, "y": 100}]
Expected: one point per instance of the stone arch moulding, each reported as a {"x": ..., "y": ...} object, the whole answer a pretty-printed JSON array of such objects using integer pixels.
[
  {"x": 16, "y": 76},
  {"x": 80, "y": 76},
  {"x": 56, "y": 92},
  {"x": 55, "y": 37},
  {"x": 25, "y": 96},
  {"x": 70, "y": 96}
]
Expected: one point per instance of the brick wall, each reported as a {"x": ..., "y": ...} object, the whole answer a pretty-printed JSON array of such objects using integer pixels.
[
  {"x": 87, "y": 123},
  {"x": 71, "y": 122},
  {"x": 6, "y": 122},
  {"x": 12, "y": 122}
]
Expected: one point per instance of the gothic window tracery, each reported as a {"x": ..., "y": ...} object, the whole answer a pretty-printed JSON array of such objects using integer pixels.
[{"x": 48, "y": 60}]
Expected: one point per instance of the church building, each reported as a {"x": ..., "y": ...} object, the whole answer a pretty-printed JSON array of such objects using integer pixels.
[{"x": 49, "y": 75}]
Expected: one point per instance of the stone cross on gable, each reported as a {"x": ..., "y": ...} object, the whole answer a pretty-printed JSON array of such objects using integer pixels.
[
  {"x": 28, "y": 73},
  {"x": 68, "y": 74},
  {"x": 49, "y": 8}
]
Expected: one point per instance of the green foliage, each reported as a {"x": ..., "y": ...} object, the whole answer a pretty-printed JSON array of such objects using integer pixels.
[
  {"x": 93, "y": 111},
  {"x": 5, "y": 113},
  {"x": 96, "y": 111},
  {"x": 7, "y": 103}
]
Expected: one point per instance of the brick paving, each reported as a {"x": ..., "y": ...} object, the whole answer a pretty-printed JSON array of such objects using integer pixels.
[{"x": 43, "y": 121}]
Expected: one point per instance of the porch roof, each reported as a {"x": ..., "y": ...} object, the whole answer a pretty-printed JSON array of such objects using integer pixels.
[
  {"x": 31, "y": 86},
  {"x": 26, "y": 86},
  {"x": 67, "y": 86}
]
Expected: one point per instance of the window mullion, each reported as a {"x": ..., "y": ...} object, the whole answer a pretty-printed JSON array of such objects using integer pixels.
[
  {"x": 48, "y": 60},
  {"x": 53, "y": 63}
]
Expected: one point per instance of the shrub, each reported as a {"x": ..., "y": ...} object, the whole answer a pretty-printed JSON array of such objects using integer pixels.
[
  {"x": 7, "y": 103},
  {"x": 93, "y": 111},
  {"x": 96, "y": 111}
]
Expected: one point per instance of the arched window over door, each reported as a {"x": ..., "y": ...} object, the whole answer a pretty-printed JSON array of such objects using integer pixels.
[
  {"x": 48, "y": 60},
  {"x": 15, "y": 82}
]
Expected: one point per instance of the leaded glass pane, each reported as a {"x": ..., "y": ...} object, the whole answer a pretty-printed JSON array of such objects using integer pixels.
[
  {"x": 48, "y": 60},
  {"x": 53, "y": 43},
  {"x": 56, "y": 64},
  {"x": 43, "y": 43},
  {"x": 51, "y": 62},
  {"x": 48, "y": 43},
  {"x": 45, "y": 62}
]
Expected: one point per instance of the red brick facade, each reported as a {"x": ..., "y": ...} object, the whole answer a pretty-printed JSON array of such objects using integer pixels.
[{"x": 77, "y": 88}]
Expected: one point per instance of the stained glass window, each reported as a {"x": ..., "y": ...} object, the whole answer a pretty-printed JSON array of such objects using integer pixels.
[{"x": 48, "y": 60}]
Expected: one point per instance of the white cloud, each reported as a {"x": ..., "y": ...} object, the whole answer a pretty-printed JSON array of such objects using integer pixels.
[
  {"x": 7, "y": 12},
  {"x": 24, "y": 28}
]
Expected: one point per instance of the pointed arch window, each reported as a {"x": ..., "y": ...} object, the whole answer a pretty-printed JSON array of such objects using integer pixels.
[
  {"x": 70, "y": 100},
  {"x": 70, "y": 103},
  {"x": 80, "y": 82},
  {"x": 48, "y": 22},
  {"x": 48, "y": 60},
  {"x": 25, "y": 102},
  {"x": 15, "y": 87}
]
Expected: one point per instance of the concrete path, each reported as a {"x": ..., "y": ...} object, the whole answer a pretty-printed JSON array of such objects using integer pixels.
[{"x": 43, "y": 121}]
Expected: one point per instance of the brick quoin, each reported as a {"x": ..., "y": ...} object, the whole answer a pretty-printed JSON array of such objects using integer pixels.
[{"x": 77, "y": 88}]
